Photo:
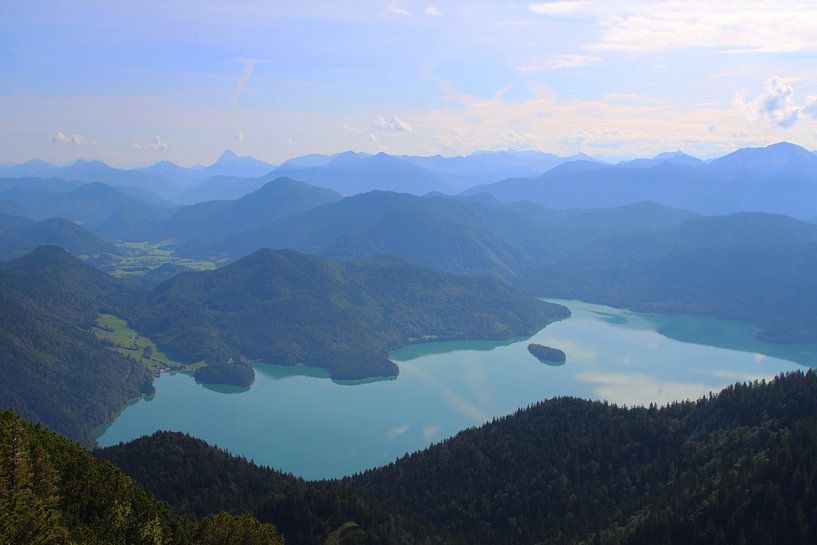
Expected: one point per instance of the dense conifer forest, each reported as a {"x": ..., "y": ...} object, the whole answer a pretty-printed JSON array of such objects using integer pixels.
[{"x": 52, "y": 492}]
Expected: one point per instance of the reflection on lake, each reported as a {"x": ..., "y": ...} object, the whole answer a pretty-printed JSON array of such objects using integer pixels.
[{"x": 298, "y": 420}]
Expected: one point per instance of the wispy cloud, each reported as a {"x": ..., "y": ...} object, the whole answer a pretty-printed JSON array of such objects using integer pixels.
[
  {"x": 745, "y": 26},
  {"x": 246, "y": 74},
  {"x": 394, "y": 124},
  {"x": 156, "y": 143},
  {"x": 776, "y": 104},
  {"x": 239, "y": 136},
  {"x": 70, "y": 139}
]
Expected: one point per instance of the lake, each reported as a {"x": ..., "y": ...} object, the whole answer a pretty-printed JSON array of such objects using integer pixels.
[{"x": 298, "y": 420}]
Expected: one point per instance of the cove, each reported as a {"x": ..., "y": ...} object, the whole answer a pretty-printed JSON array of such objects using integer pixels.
[{"x": 298, "y": 420}]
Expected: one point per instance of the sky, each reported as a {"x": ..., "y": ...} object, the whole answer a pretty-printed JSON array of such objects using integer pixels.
[{"x": 134, "y": 82}]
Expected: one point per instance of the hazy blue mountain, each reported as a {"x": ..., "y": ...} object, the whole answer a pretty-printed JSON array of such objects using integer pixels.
[
  {"x": 448, "y": 173},
  {"x": 490, "y": 166},
  {"x": 227, "y": 164},
  {"x": 163, "y": 179},
  {"x": 19, "y": 236},
  {"x": 222, "y": 188},
  {"x": 575, "y": 167},
  {"x": 781, "y": 178},
  {"x": 32, "y": 168},
  {"x": 676, "y": 157},
  {"x": 312, "y": 160},
  {"x": 602, "y": 186},
  {"x": 99, "y": 172},
  {"x": 38, "y": 184},
  {"x": 171, "y": 170},
  {"x": 781, "y": 158},
  {"x": 444, "y": 233},
  {"x": 276, "y": 199},
  {"x": 350, "y": 173},
  {"x": 753, "y": 267},
  {"x": 239, "y": 166},
  {"x": 103, "y": 209}
]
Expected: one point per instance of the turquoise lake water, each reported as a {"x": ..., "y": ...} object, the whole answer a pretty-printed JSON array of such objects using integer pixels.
[{"x": 298, "y": 420}]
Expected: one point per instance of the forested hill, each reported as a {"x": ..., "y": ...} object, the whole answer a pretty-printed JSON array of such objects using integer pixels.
[
  {"x": 53, "y": 369},
  {"x": 52, "y": 492},
  {"x": 289, "y": 308},
  {"x": 739, "y": 467}
]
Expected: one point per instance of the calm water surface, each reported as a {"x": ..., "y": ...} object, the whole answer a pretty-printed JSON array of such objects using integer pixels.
[{"x": 298, "y": 420}]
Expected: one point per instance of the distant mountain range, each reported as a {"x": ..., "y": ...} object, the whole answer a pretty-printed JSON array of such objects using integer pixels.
[
  {"x": 778, "y": 178},
  {"x": 348, "y": 173},
  {"x": 781, "y": 178},
  {"x": 162, "y": 180}
]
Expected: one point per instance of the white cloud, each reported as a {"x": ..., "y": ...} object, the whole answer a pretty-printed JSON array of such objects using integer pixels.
[
  {"x": 239, "y": 136},
  {"x": 560, "y": 61},
  {"x": 394, "y": 124},
  {"x": 394, "y": 8},
  {"x": 776, "y": 104},
  {"x": 156, "y": 143},
  {"x": 246, "y": 74},
  {"x": 640, "y": 26},
  {"x": 748, "y": 25},
  {"x": 433, "y": 11},
  {"x": 70, "y": 139}
]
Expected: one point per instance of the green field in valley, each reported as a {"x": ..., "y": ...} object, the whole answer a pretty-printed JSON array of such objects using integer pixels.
[
  {"x": 128, "y": 342},
  {"x": 140, "y": 257}
]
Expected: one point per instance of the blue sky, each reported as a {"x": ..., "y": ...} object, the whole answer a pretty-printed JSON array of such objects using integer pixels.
[{"x": 136, "y": 82}]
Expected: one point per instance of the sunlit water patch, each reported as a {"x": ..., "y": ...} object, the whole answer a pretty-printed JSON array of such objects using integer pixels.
[{"x": 298, "y": 420}]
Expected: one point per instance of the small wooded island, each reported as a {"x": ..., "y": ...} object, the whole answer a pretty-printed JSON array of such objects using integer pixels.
[
  {"x": 234, "y": 374},
  {"x": 546, "y": 354}
]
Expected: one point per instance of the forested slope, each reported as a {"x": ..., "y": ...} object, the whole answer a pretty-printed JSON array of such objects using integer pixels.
[{"x": 52, "y": 492}]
